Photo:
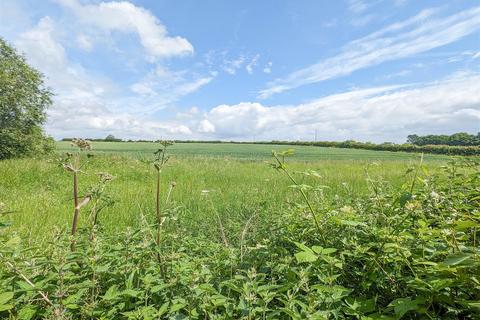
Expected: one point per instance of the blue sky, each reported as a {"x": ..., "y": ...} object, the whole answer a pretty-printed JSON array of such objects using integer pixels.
[{"x": 240, "y": 70}]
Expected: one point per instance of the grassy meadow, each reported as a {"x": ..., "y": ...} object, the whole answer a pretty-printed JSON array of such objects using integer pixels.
[
  {"x": 237, "y": 234},
  {"x": 231, "y": 179}
]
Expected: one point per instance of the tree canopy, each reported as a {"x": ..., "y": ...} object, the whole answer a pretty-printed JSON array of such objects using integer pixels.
[
  {"x": 23, "y": 102},
  {"x": 456, "y": 139}
]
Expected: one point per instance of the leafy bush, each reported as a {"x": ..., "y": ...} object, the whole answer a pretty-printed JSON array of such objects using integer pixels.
[
  {"x": 23, "y": 101},
  {"x": 409, "y": 252}
]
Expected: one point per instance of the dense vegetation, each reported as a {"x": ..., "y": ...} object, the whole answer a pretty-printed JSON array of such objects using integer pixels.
[
  {"x": 320, "y": 249},
  {"x": 456, "y": 139},
  {"x": 23, "y": 101}
]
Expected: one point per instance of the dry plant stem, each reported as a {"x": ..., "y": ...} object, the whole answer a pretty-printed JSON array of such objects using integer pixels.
[
  {"x": 310, "y": 208},
  {"x": 243, "y": 235},
  {"x": 43, "y": 295},
  {"x": 157, "y": 207},
  {"x": 222, "y": 230},
  {"x": 76, "y": 210}
]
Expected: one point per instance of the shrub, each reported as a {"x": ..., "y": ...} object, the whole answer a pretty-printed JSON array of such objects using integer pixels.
[{"x": 23, "y": 101}]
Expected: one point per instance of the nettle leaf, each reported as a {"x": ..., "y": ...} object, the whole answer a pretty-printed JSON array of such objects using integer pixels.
[
  {"x": 306, "y": 256},
  {"x": 111, "y": 293},
  {"x": 27, "y": 312},
  {"x": 5, "y": 297},
  {"x": 178, "y": 304},
  {"x": 5, "y": 307},
  {"x": 131, "y": 293},
  {"x": 456, "y": 259},
  {"x": 163, "y": 309},
  {"x": 404, "y": 305},
  {"x": 475, "y": 305},
  {"x": 466, "y": 224},
  {"x": 404, "y": 198}
]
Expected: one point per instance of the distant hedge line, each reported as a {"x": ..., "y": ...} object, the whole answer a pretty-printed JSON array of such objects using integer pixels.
[{"x": 406, "y": 147}]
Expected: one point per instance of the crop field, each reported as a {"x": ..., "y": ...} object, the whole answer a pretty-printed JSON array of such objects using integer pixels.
[
  {"x": 246, "y": 151},
  {"x": 238, "y": 234}
]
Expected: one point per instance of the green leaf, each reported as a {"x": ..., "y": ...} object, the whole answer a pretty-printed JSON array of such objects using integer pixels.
[
  {"x": 27, "y": 312},
  {"x": 465, "y": 224},
  {"x": 352, "y": 223},
  {"x": 5, "y": 297},
  {"x": 5, "y": 307},
  {"x": 111, "y": 293},
  {"x": 455, "y": 259},
  {"x": 306, "y": 256},
  {"x": 403, "y": 305},
  {"x": 178, "y": 305},
  {"x": 475, "y": 305},
  {"x": 404, "y": 198},
  {"x": 131, "y": 293},
  {"x": 163, "y": 309}
]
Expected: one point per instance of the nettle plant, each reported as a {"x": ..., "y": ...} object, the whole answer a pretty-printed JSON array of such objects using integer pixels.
[{"x": 409, "y": 252}]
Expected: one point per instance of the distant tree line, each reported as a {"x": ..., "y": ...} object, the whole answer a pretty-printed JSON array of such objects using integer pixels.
[
  {"x": 456, "y": 139},
  {"x": 388, "y": 146},
  {"x": 109, "y": 138}
]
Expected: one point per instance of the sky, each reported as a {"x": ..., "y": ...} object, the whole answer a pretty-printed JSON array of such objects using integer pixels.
[{"x": 252, "y": 70}]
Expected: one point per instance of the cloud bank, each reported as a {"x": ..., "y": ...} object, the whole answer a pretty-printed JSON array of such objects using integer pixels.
[{"x": 420, "y": 33}]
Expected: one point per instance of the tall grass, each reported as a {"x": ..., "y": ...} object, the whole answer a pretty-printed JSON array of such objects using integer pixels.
[{"x": 234, "y": 187}]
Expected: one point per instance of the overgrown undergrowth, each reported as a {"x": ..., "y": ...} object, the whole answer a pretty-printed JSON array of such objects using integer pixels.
[{"x": 398, "y": 252}]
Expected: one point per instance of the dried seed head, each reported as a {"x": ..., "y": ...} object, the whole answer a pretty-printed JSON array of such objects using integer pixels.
[
  {"x": 104, "y": 176},
  {"x": 68, "y": 168},
  {"x": 82, "y": 144}
]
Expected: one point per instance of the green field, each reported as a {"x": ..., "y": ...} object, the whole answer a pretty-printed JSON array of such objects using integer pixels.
[
  {"x": 351, "y": 234},
  {"x": 246, "y": 151},
  {"x": 38, "y": 190}
]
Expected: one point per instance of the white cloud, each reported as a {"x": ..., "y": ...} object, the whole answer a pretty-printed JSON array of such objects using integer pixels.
[
  {"x": 206, "y": 126},
  {"x": 357, "y": 6},
  {"x": 377, "y": 114},
  {"x": 249, "y": 67},
  {"x": 125, "y": 17},
  {"x": 415, "y": 35},
  {"x": 42, "y": 48},
  {"x": 86, "y": 105},
  {"x": 84, "y": 42},
  {"x": 268, "y": 67},
  {"x": 231, "y": 66},
  {"x": 162, "y": 87}
]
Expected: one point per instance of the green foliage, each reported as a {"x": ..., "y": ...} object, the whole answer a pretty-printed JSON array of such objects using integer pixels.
[
  {"x": 456, "y": 139},
  {"x": 449, "y": 149},
  {"x": 23, "y": 101},
  {"x": 399, "y": 252}
]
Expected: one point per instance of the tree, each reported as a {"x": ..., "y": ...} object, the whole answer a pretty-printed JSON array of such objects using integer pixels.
[
  {"x": 23, "y": 103},
  {"x": 111, "y": 137}
]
